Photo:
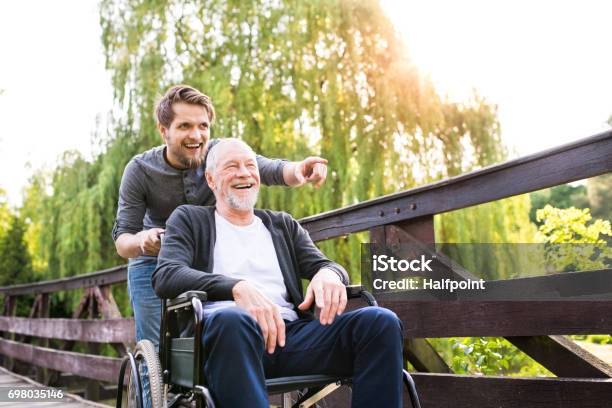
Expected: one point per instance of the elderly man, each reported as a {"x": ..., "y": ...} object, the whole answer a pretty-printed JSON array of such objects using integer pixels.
[
  {"x": 258, "y": 323},
  {"x": 157, "y": 181}
]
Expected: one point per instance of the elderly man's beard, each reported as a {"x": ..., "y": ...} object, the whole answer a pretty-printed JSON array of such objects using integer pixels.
[{"x": 241, "y": 203}]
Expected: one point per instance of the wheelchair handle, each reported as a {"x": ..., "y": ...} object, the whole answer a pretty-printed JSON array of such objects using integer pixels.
[{"x": 356, "y": 291}]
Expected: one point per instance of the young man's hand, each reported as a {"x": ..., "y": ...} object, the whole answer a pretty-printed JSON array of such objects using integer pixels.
[
  {"x": 329, "y": 294},
  {"x": 265, "y": 312},
  {"x": 310, "y": 170},
  {"x": 146, "y": 242},
  {"x": 149, "y": 241}
]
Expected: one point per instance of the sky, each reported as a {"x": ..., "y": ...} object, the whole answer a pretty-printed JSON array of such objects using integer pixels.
[
  {"x": 546, "y": 64},
  {"x": 54, "y": 85}
]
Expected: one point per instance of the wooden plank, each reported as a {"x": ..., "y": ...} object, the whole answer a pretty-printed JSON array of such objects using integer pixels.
[
  {"x": 424, "y": 357},
  {"x": 568, "y": 286},
  {"x": 595, "y": 285},
  {"x": 109, "y": 276},
  {"x": 95, "y": 330},
  {"x": 562, "y": 356},
  {"x": 463, "y": 391},
  {"x": 585, "y": 158},
  {"x": 489, "y": 318},
  {"x": 70, "y": 400},
  {"x": 84, "y": 365},
  {"x": 467, "y": 391}
]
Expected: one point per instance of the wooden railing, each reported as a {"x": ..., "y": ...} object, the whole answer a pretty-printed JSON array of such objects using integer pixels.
[{"x": 406, "y": 217}]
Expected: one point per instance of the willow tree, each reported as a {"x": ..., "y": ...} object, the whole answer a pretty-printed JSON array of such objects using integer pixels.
[
  {"x": 293, "y": 79},
  {"x": 5, "y": 213},
  {"x": 330, "y": 78}
]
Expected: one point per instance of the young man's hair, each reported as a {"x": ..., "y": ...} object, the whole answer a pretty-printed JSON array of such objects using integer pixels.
[{"x": 184, "y": 94}]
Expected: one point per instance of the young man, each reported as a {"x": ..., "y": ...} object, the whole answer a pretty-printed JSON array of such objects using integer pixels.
[
  {"x": 257, "y": 322},
  {"x": 157, "y": 181}
]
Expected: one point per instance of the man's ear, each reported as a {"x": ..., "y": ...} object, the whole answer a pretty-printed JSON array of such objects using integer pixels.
[
  {"x": 163, "y": 131},
  {"x": 210, "y": 180}
]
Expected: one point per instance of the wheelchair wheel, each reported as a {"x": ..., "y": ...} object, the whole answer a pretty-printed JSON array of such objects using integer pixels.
[{"x": 150, "y": 371}]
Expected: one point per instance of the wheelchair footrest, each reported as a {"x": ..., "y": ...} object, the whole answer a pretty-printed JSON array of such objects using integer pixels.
[{"x": 287, "y": 384}]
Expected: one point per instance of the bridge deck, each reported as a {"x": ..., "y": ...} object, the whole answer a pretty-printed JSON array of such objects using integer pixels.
[{"x": 10, "y": 379}]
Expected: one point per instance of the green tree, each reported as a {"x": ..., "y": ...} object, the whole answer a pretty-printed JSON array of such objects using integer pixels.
[
  {"x": 563, "y": 196},
  {"x": 326, "y": 78},
  {"x": 300, "y": 78},
  {"x": 571, "y": 225},
  {"x": 5, "y": 213},
  {"x": 15, "y": 262},
  {"x": 574, "y": 241}
]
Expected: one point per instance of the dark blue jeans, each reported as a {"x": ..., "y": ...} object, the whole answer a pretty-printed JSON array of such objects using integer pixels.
[{"x": 365, "y": 344}]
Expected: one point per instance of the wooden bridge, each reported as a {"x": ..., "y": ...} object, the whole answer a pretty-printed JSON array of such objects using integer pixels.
[{"x": 535, "y": 327}]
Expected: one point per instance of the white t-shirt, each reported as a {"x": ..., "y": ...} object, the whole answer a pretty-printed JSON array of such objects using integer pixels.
[{"x": 247, "y": 253}]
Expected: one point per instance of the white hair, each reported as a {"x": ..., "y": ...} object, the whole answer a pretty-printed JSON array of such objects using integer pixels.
[{"x": 213, "y": 152}]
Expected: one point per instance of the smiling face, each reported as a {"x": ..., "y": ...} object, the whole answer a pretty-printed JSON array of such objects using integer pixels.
[
  {"x": 187, "y": 137},
  {"x": 234, "y": 176}
]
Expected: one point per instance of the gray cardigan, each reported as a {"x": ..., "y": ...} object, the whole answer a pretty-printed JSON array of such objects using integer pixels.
[{"x": 185, "y": 261}]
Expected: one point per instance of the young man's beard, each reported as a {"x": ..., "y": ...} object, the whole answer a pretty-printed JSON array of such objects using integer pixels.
[
  {"x": 192, "y": 162},
  {"x": 189, "y": 162}
]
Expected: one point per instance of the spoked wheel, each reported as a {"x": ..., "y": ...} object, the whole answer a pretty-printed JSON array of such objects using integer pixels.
[{"x": 144, "y": 390}]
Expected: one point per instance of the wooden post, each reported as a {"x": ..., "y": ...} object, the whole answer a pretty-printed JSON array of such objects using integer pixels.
[
  {"x": 54, "y": 376},
  {"x": 109, "y": 310},
  {"x": 418, "y": 351},
  {"x": 92, "y": 389},
  {"x": 43, "y": 312},
  {"x": 10, "y": 304}
]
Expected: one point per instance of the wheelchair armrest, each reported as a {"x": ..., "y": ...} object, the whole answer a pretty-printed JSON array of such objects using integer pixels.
[
  {"x": 356, "y": 291},
  {"x": 184, "y": 299}
]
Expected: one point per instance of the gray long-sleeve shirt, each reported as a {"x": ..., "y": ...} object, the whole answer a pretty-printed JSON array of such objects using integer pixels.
[{"x": 151, "y": 189}]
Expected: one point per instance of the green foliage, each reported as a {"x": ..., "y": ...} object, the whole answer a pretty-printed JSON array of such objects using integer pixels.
[
  {"x": 574, "y": 242},
  {"x": 5, "y": 213},
  {"x": 297, "y": 79},
  {"x": 486, "y": 355},
  {"x": 499, "y": 222},
  {"x": 570, "y": 226},
  {"x": 326, "y": 78},
  {"x": 15, "y": 263},
  {"x": 594, "y": 338},
  {"x": 563, "y": 196}
]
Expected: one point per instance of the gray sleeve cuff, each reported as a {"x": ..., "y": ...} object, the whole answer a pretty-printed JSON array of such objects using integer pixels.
[{"x": 271, "y": 171}]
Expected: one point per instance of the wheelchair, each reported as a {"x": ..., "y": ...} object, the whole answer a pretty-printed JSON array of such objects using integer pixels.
[{"x": 176, "y": 377}]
